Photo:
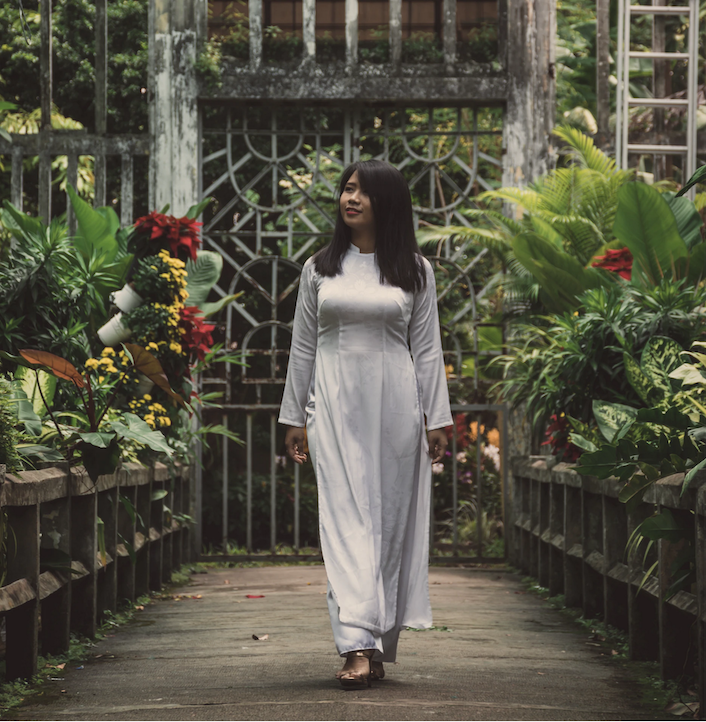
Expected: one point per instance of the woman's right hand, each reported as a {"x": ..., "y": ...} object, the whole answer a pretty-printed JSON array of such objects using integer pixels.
[{"x": 294, "y": 443}]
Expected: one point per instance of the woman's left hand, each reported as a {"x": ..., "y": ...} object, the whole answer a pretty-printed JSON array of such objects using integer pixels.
[{"x": 437, "y": 445}]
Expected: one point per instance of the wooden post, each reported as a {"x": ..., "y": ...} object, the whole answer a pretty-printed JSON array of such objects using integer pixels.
[
  {"x": 173, "y": 40},
  {"x": 22, "y": 627},
  {"x": 101, "y": 97},
  {"x": 84, "y": 550},
  {"x": 255, "y": 17},
  {"x": 45, "y": 101},
  {"x": 530, "y": 110},
  {"x": 351, "y": 33},
  {"x": 603, "y": 72},
  {"x": 396, "y": 33},
  {"x": 108, "y": 575},
  {"x": 309, "y": 30},
  {"x": 449, "y": 35}
]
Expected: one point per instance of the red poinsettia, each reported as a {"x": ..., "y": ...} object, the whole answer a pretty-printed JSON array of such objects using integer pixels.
[
  {"x": 619, "y": 261},
  {"x": 197, "y": 338},
  {"x": 179, "y": 233},
  {"x": 557, "y": 436}
]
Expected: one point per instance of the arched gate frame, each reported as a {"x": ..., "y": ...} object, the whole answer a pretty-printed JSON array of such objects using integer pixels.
[{"x": 273, "y": 172}]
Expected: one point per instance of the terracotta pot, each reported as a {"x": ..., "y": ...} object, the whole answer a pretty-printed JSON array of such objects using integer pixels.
[
  {"x": 127, "y": 299},
  {"x": 114, "y": 332}
]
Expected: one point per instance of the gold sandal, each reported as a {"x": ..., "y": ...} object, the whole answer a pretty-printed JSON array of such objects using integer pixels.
[{"x": 359, "y": 677}]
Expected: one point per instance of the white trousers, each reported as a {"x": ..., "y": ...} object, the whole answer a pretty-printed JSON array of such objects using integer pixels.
[{"x": 349, "y": 638}]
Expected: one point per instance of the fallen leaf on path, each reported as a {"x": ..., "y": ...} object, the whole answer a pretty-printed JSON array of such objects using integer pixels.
[
  {"x": 614, "y": 652},
  {"x": 225, "y": 581},
  {"x": 139, "y": 607},
  {"x": 592, "y": 644},
  {"x": 255, "y": 596},
  {"x": 680, "y": 708},
  {"x": 263, "y": 638},
  {"x": 542, "y": 673},
  {"x": 197, "y": 596}
]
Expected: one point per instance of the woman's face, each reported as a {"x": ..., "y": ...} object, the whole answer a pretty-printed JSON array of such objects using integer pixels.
[{"x": 356, "y": 208}]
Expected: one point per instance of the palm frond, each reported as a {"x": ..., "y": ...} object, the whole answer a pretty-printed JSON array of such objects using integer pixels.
[
  {"x": 527, "y": 198},
  {"x": 583, "y": 150}
]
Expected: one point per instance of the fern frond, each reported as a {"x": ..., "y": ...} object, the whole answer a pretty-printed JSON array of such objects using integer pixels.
[{"x": 583, "y": 150}]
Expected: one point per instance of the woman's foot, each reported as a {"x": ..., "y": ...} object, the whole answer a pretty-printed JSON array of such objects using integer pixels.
[
  {"x": 356, "y": 672},
  {"x": 377, "y": 671}
]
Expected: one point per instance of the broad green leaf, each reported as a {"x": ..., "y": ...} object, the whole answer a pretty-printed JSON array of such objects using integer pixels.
[
  {"x": 698, "y": 177},
  {"x": 612, "y": 418},
  {"x": 212, "y": 308},
  {"x": 98, "y": 438},
  {"x": 642, "y": 385},
  {"x": 198, "y": 209},
  {"x": 660, "y": 357},
  {"x": 688, "y": 374},
  {"x": 39, "y": 451},
  {"x": 560, "y": 275},
  {"x": 159, "y": 494},
  {"x": 140, "y": 431},
  {"x": 646, "y": 225},
  {"x": 599, "y": 463},
  {"x": 636, "y": 487},
  {"x": 95, "y": 229},
  {"x": 25, "y": 412},
  {"x": 672, "y": 418},
  {"x": 32, "y": 382},
  {"x": 697, "y": 264},
  {"x": 662, "y": 526},
  {"x": 203, "y": 274},
  {"x": 690, "y": 475},
  {"x": 582, "y": 443},
  {"x": 687, "y": 217}
]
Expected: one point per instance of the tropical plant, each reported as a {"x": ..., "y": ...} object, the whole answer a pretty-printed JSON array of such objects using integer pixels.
[
  {"x": 560, "y": 365},
  {"x": 98, "y": 444},
  {"x": 561, "y": 222},
  {"x": 10, "y": 435}
]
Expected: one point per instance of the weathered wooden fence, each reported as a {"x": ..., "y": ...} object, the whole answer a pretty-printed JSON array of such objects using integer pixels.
[
  {"x": 570, "y": 532},
  {"x": 68, "y": 556}
]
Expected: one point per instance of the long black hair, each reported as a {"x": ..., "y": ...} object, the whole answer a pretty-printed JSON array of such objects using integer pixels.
[{"x": 397, "y": 253}]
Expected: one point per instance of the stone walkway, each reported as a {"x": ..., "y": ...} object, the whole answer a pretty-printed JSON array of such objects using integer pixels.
[{"x": 497, "y": 653}]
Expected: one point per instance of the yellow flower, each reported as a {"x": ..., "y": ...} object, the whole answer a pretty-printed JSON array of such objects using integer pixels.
[
  {"x": 109, "y": 351},
  {"x": 147, "y": 397},
  {"x": 176, "y": 347},
  {"x": 184, "y": 294},
  {"x": 153, "y": 345},
  {"x": 165, "y": 421},
  {"x": 106, "y": 362},
  {"x": 112, "y": 370},
  {"x": 101, "y": 379},
  {"x": 92, "y": 363},
  {"x": 165, "y": 275}
]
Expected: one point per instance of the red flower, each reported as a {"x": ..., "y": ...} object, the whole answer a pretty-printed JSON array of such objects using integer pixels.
[
  {"x": 180, "y": 233},
  {"x": 197, "y": 339},
  {"x": 461, "y": 429},
  {"x": 619, "y": 261},
  {"x": 557, "y": 436}
]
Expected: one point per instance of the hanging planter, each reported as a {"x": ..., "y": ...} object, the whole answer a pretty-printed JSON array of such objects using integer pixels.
[
  {"x": 127, "y": 299},
  {"x": 114, "y": 332}
]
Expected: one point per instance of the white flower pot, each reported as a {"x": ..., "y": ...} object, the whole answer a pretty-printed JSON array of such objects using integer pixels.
[
  {"x": 127, "y": 299},
  {"x": 114, "y": 332}
]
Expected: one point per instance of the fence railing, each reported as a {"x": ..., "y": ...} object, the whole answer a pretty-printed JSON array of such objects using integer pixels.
[
  {"x": 468, "y": 495},
  {"x": 570, "y": 532},
  {"x": 75, "y": 550}
]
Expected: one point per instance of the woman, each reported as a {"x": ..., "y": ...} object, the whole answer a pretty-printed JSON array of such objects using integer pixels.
[{"x": 365, "y": 301}]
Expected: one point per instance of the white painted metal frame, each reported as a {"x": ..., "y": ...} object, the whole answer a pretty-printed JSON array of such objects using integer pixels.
[{"x": 623, "y": 147}]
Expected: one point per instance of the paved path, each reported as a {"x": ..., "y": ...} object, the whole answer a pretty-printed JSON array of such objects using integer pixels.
[{"x": 504, "y": 656}]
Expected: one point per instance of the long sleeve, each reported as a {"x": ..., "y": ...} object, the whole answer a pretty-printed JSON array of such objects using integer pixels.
[
  {"x": 303, "y": 352},
  {"x": 425, "y": 344}
]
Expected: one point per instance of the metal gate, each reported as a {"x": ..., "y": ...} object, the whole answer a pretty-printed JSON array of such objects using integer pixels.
[{"x": 273, "y": 172}]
